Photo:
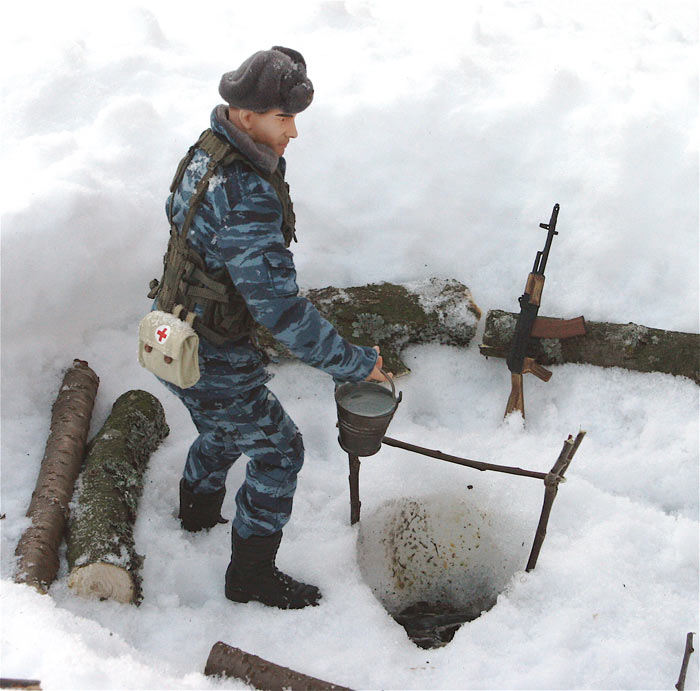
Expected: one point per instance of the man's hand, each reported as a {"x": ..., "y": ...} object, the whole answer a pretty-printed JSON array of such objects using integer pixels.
[{"x": 375, "y": 374}]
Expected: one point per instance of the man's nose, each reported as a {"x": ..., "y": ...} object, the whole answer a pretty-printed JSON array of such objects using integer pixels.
[{"x": 292, "y": 129}]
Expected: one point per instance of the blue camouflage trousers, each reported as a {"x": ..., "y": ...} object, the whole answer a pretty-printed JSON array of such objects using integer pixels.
[{"x": 235, "y": 414}]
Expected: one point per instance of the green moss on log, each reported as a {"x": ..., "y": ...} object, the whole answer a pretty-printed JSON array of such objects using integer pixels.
[
  {"x": 393, "y": 316},
  {"x": 110, "y": 486}
]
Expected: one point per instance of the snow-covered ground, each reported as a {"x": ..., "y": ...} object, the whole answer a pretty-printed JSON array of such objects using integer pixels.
[{"x": 440, "y": 136}]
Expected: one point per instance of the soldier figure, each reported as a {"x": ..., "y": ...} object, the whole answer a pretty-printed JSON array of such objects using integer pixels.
[{"x": 230, "y": 201}]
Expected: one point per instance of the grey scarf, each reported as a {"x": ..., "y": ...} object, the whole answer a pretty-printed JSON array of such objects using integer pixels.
[{"x": 261, "y": 156}]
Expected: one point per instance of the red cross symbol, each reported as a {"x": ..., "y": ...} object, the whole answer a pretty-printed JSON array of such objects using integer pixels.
[{"x": 162, "y": 333}]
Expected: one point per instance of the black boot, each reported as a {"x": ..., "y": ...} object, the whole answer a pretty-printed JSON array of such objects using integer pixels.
[
  {"x": 252, "y": 575},
  {"x": 200, "y": 511}
]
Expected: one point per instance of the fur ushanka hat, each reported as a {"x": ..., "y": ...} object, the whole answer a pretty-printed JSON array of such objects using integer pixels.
[{"x": 274, "y": 78}]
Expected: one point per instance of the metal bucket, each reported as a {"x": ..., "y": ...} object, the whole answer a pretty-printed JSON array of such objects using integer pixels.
[{"x": 365, "y": 410}]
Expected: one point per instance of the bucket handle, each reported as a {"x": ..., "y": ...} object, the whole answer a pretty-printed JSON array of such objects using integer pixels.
[{"x": 393, "y": 388}]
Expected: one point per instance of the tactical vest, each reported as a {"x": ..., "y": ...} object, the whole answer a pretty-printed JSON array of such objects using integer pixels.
[{"x": 186, "y": 281}]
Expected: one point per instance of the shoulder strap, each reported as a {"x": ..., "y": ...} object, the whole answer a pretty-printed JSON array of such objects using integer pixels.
[
  {"x": 221, "y": 152},
  {"x": 288, "y": 217}
]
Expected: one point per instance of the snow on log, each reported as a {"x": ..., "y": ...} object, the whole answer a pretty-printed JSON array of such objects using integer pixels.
[
  {"x": 37, "y": 549},
  {"x": 630, "y": 346},
  {"x": 101, "y": 554},
  {"x": 227, "y": 661},
  {"x": 394, "y": 315}
]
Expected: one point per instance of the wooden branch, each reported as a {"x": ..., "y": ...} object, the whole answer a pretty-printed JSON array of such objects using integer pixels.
[
  {"x": 477, "y": 465},
  {"x": 354, "y": 478},
  {"x": 101, "y": 554},
  {"x": 680, "y": 684},
  {"x": 224, "y": 660},
  {"x": 551, "y": 487},
  {"x": 38, "y": 547},
  {"x": 631, "y": 346}
]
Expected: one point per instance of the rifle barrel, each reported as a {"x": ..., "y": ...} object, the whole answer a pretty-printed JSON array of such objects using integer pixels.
[{"x": 541, "y": 260}]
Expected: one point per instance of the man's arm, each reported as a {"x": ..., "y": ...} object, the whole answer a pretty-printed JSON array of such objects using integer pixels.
[{"x": 262, "y": 269}]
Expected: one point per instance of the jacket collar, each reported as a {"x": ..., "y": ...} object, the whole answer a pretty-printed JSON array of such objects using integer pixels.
[{"x": 261, "y": 156}]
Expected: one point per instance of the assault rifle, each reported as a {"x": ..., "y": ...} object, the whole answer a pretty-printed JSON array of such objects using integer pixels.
[{"x": 529, "y": 325}]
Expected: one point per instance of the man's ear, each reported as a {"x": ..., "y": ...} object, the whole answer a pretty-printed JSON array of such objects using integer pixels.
[{"x": 246, "y": 118}]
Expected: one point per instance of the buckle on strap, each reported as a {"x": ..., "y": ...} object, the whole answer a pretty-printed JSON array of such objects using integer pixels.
[{"x": 189, "y": 316}]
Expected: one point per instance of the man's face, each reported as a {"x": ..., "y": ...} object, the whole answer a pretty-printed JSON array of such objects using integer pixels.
[{"x": 273, "y": 128}]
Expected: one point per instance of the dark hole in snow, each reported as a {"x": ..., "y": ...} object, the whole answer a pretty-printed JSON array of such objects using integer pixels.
[
  {"x": 439, "y": 561},
  {"x": 432, "y": 625}
]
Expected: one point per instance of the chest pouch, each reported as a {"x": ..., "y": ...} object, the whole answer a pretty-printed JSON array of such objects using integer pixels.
[{"x": 169, "y": 347}]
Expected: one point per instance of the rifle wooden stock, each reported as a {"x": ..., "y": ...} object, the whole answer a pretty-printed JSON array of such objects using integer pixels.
[
  {"x": 516, "y": 400},
  {"x": 534, "y": 287},
  {"x": 531, "y": 367}
]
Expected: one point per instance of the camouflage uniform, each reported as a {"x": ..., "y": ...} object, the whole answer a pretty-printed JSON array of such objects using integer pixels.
[{"x": 238, "y": 226}]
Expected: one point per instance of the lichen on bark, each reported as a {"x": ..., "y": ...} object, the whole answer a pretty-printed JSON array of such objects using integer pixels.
[
  {"x": 108, "y": 491},
  {"x": 631, "y": 346}
]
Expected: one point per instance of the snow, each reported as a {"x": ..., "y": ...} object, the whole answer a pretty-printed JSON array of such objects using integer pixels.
[{"x": 440, "y": 136}]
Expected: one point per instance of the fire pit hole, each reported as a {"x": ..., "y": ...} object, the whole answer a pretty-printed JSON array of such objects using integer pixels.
[{"x": 438, "y": 561}]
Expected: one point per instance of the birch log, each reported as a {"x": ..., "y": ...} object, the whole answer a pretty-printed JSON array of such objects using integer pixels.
[
  {"x": 37, "y": 549},
  {"x": 101, "y": 553},
  {"x": 630, "y": 346}
]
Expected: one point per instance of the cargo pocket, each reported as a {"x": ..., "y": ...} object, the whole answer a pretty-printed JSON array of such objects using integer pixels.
[{"x": 281, "y": 272}]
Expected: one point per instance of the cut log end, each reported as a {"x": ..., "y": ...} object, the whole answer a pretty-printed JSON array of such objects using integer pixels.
[{"x": 103, "y": 581}]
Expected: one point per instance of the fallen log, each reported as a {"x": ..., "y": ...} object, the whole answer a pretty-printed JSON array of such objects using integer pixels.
[
  {"x": 393, "y": 316},
  {"x": 37, "y": 549},
  {"x": 101, "y": 553},
  {"x": 33, "y": 684},
  {"x": 630, "y": 346},
  {"x": 227, "y": 661}
]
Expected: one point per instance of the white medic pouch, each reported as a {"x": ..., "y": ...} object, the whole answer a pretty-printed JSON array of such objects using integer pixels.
[{"x": 169, "y": 347}]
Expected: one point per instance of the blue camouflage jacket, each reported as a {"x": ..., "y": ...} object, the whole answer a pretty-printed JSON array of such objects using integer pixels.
[{"x": 238, "y": 226}]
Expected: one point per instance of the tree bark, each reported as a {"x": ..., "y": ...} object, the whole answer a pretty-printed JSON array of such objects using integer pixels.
[
  {"x": 32, "y": 684},
  {"x": 630, "y": 346},
  {"x": 101, "y": 554},
  {"x": 393, "y": 316},
  {"x": 354, "y": 478},
  {"x": 224, "y": 660},
  {"x": 37, "y": 549}
]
